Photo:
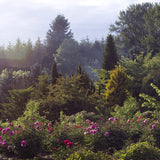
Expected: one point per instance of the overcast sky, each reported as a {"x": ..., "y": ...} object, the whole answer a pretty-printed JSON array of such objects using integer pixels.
[{"x": 30, "y": 19}]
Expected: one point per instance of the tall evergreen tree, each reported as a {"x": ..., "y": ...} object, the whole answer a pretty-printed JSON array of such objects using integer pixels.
[
  {"x": 59, "y": 30},
  {"x": 110, "y": 56},
  {"x": 54, "y": 72}
]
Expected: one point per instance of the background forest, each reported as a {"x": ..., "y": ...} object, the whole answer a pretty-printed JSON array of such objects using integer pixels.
[{"x": 117, "y": 77}]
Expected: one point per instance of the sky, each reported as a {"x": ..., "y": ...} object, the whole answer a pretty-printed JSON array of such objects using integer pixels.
[{"x": 30, "y": 19}]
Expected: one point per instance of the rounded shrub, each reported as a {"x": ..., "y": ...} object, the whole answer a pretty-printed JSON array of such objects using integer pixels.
[
  {"x": 27, "y": 144},
  {"x": 142, "y": 151},
  {"x": 115, "y": 140},
  {"x": 84, "y": 154},
  {"x": 156, "y": 135},
  {"x": 135, "y": 135}
]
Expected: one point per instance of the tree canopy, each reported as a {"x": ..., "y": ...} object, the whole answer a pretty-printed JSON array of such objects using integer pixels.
[{"x": 137, "y": 29}]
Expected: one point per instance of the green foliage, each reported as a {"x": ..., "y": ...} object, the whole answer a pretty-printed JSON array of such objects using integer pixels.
[
  {"x": 141, "y": 151},
  {"x": 68, "y": 56},
  {"x": 31, "y": 112},
  {"x": 32, "y": 147},
  {"x": 84, "y": 154},
  {"x": 115, "y": 140},
  {"x": 128, "y": 110},
  {"x": 36, "y": 71},
  {"x": 59, "y": 30},
  {"x": 156, "y": 135},
  {"x": 100, "y": 84},
  {"x": 54, "y": 72},
  {"x": 16, "y": 103},
  {"x": 5, "y": 83},
  {"x": 137, "y": 29},
  {"x": 151, "y": 103},
  {"x": 142, "y": 71},
  {"x": 69, "y": 95},
  {"x": 117, "y": 87},
  {"x": 41, "y": 89},
  {"x": 110, "y": 56}
]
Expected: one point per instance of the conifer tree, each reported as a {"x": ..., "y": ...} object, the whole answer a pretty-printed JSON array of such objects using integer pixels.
[
  {"x": 110, "y": 56},
  {"x": 84, "y": 80},
  {"x": 117, "y": 87},
  {"x": 54, "y": 72},
  {"x": 59, "y": 30}
]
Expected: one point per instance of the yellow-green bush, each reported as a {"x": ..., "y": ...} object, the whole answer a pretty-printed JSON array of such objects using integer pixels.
[
  {"x": 141, "y": 151},
  {"x": 84, "y": 154}
]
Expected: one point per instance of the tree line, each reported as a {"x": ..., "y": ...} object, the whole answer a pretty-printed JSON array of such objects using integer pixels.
[{"x": 126, "y": 65}]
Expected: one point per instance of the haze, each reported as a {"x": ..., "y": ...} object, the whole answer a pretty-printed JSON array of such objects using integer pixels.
[{"x": 30, "y": 19}]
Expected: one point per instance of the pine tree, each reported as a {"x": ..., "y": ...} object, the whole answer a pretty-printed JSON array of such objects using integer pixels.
[
  {"x": 84, "y": 80},
  {"x": 54, "y": 72},
  {"x": 59, "y": 30},
  {"x": 110, "y": 56}
]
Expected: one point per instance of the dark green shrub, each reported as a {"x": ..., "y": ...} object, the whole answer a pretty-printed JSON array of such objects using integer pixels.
[
  {"x": 115, "y": 140},
  {"x": 142, "y": 151},
  {"x": 156, "y": 135},
  {"x": 32, "y": 147},
  {"x": 135, "y": 135}
]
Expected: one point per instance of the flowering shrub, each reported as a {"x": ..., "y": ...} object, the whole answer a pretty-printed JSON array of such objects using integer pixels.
[
  {"x": 76, "y": 136},
  {"x": 156, "y": 134},
  {"x": 27, "y": 145}
]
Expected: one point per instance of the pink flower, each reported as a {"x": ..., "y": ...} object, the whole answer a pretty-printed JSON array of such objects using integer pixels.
[
  {"x": 106, "y": 134},
  {"x": 4, "y": 142},
  {"x": 110, "y": 119},
  {"x": 55, "y": 148},
  {"x": 88, "y": 128},
  {"x": 153, "y": 126},
  {"x": 23, "y": 143},
  {"x": 58, "y": 140},
  {"x": 0, "y": 138},
  {"x": 11, "y": 133},
  {"x": 9, "y": 147},
  {"x": 65, "y": 141},
  {"x": 36, "y": 123},
  {"x": 11, "y": 124},
  {"x": 145, "y": 121},
  {"x": 8, "y": 129},
  {"x": 70, "y": 144},
  {"x": 49, "y": 124},
  {"x": 139, "y": 118},
  {"x": 88, "y": 121},
  {"x": 3, "y": 131},
  {"x": 37, "y": 127},
  {"x": 92, "y": 126},
  {"x": 85, "y": 133},
  {"x": 18, "y": 126},
  {"x": 93, "y": 131},
  {"x": 115, "y": 119},
  {"x": 17, "y": 132},
  {"x": 98, "y": 128},
  {"x": 128, "y": 121}
]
